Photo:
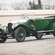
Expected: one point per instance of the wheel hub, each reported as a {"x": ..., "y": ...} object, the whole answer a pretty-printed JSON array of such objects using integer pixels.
[
  {"x": 22, "y": 34},
  {"x": 32, "y": 25}
]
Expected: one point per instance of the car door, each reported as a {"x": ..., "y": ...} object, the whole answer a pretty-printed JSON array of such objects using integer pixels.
[
  {"x": 39, "y": 24},
  {"x": 47, "y": 23}
]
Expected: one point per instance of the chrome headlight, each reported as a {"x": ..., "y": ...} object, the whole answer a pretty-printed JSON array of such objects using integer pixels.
[
  {"x": 12, "y": 26},
  {"x": 1, "y": 32},
  {"x": 4, "y": 27},
  {"x": 15, "y": 24}
]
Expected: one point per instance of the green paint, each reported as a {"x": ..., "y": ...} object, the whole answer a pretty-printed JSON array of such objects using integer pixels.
[
  {"x": 21, "y": 34},
  {"x": 28, "y": 29},
  {"x": 1, "y": 27},
  {"x": 41, "y": 24},
  {"x": 44, "y": 24},
  {"x": 31, "y": 25}
]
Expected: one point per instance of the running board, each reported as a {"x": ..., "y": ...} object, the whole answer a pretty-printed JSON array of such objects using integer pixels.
[{"x": 45, "y": 31}]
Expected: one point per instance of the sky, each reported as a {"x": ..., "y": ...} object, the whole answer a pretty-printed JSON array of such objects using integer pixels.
[
  {"x": 36, "y": 1},
  {"x": 11, "y": 1}
]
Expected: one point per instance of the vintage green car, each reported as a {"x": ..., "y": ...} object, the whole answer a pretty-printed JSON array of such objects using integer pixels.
[{"x": 31, "y": 27}]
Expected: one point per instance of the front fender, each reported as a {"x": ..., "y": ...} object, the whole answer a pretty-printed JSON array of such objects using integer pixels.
[
  {"x": 29, "y": 30},
  {"x": 1, "y": 28}
]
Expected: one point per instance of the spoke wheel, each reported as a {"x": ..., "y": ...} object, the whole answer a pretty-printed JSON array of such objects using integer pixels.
[
  {"x": 2, "y": 40},
  {"x": 20, "y": 34},
  {"x": 31, "y": 24}
]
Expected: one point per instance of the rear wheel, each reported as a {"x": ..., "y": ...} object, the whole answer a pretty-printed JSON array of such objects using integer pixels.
[
  {"x": 20, "y": 34},
  {"x": 2, "y": 40},
  {"x": 54, "y": 31},
  {"x": 31, "y": 24}
]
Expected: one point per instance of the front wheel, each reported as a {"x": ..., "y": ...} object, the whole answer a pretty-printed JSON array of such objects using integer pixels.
[
  {"x": 20, "y": 34},
  {"x": 2, "y": 40}
]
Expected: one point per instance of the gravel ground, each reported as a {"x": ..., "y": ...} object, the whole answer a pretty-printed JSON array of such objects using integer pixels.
[{"x": 31, "y": 46}]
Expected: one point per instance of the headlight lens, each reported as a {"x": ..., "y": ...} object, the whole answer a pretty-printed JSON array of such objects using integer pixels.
[
  {"x": 12, "y": 26},
  {"x": 0, "y": 32},
  {"x": 15, "y": 24},
  {"x": 4, "y": 27}
]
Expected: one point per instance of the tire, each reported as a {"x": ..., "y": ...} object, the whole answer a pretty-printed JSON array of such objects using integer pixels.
[
  {"x": 31, "y": 23},
  {"x": 20, "y": 34},
  {"x": 2, "y": 40},
  {"x": 39, "y": 35},
  {"x": 54, "y": 32}
]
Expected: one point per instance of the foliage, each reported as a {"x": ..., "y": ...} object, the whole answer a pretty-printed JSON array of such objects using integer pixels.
[{"x": 35, "y": 6}]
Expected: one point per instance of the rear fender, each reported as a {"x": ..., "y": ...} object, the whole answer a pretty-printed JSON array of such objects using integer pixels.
[{"x": 52, "y": 26}]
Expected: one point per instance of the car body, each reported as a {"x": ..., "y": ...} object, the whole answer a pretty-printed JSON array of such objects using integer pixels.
[
  {"x": 45, "y": 24},
  {"x": 25, "y": 28}
]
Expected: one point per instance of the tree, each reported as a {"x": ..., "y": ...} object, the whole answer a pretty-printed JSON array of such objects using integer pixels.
[
  {"x": 34, "y": 6},
  {"x": 3, "y": 6},
  {"x": 39, "y": 4},
  {"x": 20, "y": 6},
  {"x": 30, "y": 3},
  {"x": 16, "y": 6}
]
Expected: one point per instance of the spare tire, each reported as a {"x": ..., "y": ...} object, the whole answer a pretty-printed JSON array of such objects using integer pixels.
[{"x": 31, "y": 24}]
